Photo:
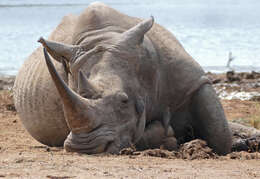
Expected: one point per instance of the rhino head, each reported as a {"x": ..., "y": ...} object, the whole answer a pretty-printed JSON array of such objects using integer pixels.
[{"x": 105, "y": 106}]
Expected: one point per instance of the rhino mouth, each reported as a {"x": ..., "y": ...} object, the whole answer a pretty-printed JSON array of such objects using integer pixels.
[{"x": 98, "y": 141}]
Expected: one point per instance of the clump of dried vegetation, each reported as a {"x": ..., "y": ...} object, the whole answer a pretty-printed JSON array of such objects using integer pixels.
[
  {"x": 255, "y": 119},
  {"x": 6, "y": 100}
]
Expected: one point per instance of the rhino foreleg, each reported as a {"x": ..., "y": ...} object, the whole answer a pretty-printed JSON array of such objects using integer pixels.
[
  {"x": 209, "y": 120},
  {"x": 157, "y": 135}
]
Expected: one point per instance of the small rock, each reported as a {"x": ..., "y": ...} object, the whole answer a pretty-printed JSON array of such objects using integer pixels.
[
  {"x": 255, "y": 98},
  {"x": 231, "y": 76},
  {"x": 249, "y": 76},
  {"x": 215, "y": 81},
  {"x": 59, "y": 177},
  {"x": 160, "y": 153},
  {"x": 240, "y": 145},
  {"x": 19, "y": 160},
  {"x": 127, "y": 151}
]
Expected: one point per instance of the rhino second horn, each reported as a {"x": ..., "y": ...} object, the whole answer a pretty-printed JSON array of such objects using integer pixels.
[
  {"x": 85, "y": 88},
  {"x": 77, "y": 110},
  {"x": 58, "y": 50},
  {"x": 135, "y": 35}
]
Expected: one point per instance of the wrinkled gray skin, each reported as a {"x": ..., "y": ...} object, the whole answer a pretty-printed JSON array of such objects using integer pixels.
[{"x": 131, "y": 82}]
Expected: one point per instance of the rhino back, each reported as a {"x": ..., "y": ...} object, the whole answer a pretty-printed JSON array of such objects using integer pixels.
[{"x": 35, "y": 96}]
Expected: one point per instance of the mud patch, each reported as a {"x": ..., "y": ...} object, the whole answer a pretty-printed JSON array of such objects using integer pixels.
[
  {"x": 242, "y": 155},
  {"x": 195, "y": 149},
  {"x": 247, "y": 144},
  {"x": 151, "y": 152},
  {"x": 58, "y": 177}
]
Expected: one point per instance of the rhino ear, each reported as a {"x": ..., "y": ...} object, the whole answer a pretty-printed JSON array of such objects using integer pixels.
[
  {"x": 59, "y": 51},
  {"x": 135, "y": 35}
]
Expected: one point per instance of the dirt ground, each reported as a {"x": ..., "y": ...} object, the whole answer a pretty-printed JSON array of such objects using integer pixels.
[{"x": 23, "y": 157}]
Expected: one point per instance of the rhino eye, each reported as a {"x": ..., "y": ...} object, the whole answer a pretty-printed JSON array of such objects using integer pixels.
[
  {"x": 123, "y": 97},
  {"x": 124, "y": 100}
]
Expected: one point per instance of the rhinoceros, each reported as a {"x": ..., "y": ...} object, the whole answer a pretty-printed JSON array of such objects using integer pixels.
[{"x": 112, "y": 81}]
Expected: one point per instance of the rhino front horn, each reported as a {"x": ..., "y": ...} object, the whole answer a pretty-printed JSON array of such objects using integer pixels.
[
  {"x": 135, "y": 35},
  {"x": 78, "y": 111},
  {"x": 57, "y": 50}
]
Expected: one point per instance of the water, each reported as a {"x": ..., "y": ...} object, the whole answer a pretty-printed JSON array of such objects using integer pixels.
[{"x": 208, "y": 30}]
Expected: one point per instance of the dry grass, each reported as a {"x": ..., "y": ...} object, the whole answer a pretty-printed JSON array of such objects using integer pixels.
[
  {"x": 243, "y": 112},
  {"x": 6, "y": 100},
  {"x": 5, "y": 96},
  {"x": 255, "y": 119}
]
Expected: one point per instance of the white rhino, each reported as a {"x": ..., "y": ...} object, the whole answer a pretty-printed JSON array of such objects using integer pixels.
[{"x": 114, "y": 81}]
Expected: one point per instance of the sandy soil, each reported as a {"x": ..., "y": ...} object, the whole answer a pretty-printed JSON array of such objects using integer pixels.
[{"x": 23, "y": 157}]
